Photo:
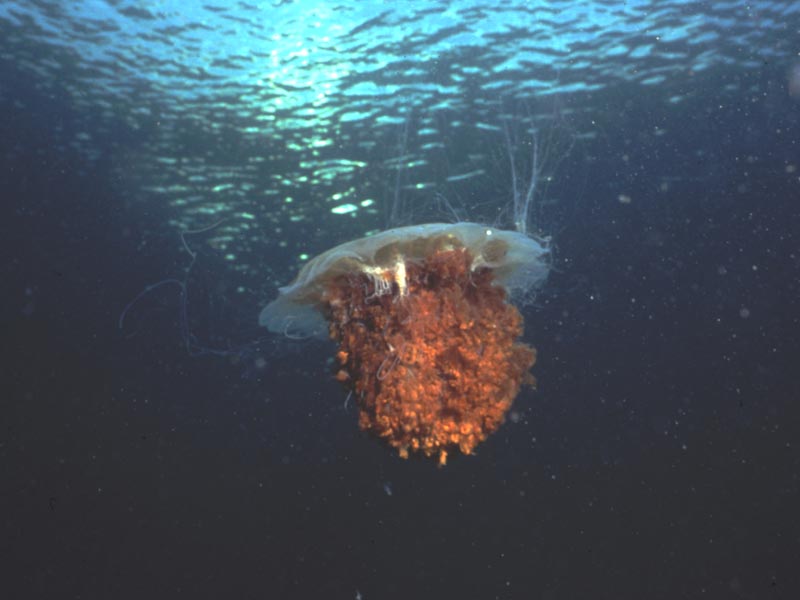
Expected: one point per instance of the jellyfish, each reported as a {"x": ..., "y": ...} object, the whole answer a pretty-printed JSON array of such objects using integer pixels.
[{"x": 428, "y": 337}]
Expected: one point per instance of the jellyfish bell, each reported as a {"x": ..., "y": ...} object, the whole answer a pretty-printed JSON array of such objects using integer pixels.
[
  {"x": 519, "y": 263},
  {"x": 428, "y": 340}
]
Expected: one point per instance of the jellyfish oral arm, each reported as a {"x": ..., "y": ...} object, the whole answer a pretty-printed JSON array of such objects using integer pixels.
[
  {"x": 437, "y": 368},
  {"x": 400, "y": 277}
]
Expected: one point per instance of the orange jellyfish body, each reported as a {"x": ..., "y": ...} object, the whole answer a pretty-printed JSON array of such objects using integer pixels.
[
  {"x": 427, "y": 340},
  {"x": 436, "y": 368}
]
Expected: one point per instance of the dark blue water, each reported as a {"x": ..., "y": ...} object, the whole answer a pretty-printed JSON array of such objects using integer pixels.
[{"x": 190, "y": 454}]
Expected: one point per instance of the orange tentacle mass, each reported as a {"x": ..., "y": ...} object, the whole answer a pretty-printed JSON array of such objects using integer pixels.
[{"x": 433, "y": 369}]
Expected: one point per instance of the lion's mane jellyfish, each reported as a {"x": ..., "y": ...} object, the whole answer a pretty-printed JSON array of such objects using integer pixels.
[{"x": 428, "y": 341}]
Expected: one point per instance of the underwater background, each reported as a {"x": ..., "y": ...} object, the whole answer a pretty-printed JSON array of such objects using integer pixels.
[{"x": 166, "y": 165}]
